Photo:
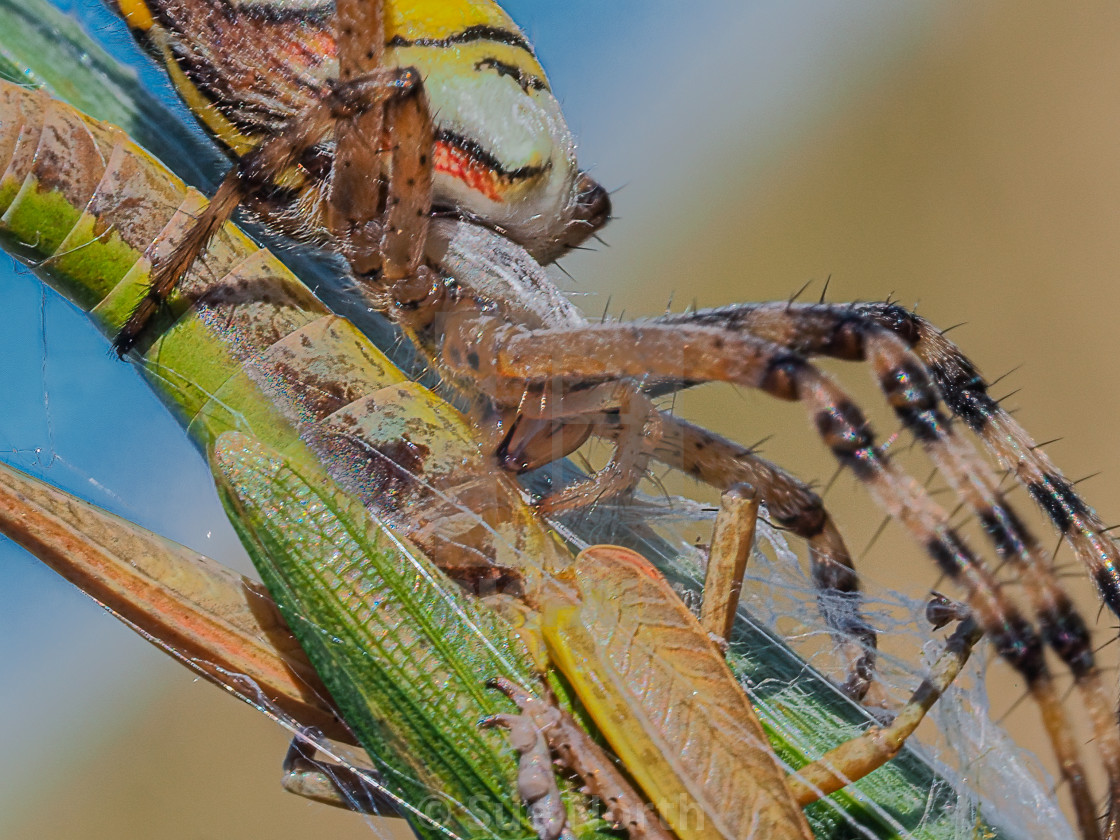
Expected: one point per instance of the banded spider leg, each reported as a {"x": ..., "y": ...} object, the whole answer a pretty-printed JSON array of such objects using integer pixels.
[
  {"x": 369, "y": 108},
  {"x": 726, "y": 345},
  {"x": 915, "y": 364}
]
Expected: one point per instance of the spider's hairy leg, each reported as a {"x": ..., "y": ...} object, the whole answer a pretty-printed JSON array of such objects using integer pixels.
[
  {"x": 372, "y": 110},
  {"x": 723, "y": 464},
  {"x": 915, "y": 400},
  {"x": 386, "y": 112},
  {"x": 360, "y": 38},
  {"x": 966, "y": 393},
  {"x": 882, "y": 335},
  {"x": 492, "y": 350},
  {"x": 252, "y": 172},
  {"x": 382, "y": 236},
  {"x": 258, "y": 169},
  {"x": 548, "y": 427},
  {"x": 836, "y": 329},
  {"x": 846, "y": 332}
]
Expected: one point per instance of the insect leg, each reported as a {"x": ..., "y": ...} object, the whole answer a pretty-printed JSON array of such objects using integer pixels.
[
  {"x": 382, "y": 233},
  {"x": 848, "y": 332},
  {"x": 732, "y": 542},
  {"x": 254, "y": 171},
  {"x": 854, "y": 759},
  {"x": 690, "y": 353},
  {"x": 581, "y": 755},
  {"x": 536, "y": 781},
  {"x": 329, "y": 783}
]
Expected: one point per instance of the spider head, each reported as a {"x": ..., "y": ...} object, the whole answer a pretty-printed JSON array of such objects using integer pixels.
[{"x": 504, "y": 155}]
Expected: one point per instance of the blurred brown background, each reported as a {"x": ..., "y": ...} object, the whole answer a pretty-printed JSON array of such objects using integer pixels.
[{"x": 971, "y": 167}]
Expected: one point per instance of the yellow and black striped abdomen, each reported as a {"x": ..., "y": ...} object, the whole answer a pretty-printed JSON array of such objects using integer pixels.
[{"x": 504, "y": 153}]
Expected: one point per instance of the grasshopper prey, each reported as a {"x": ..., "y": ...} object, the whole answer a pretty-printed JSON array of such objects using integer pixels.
[
  {"x": 384, "y": 131},
  {"x": 460, "y": 512},
  {"x": 511, "y": 540},
  {"x": 490, "y": 563}
]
